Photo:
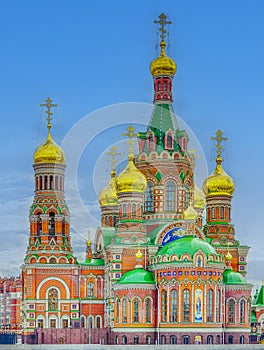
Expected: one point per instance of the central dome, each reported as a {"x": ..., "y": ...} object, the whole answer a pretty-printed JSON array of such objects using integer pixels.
[
  {"x": 49, "y": 152},
  {"x": 131, "y": 179}
]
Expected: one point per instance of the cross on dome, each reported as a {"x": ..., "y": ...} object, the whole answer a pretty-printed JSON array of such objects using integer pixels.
[
  {"x": 113, "y": 153},
  {"x": 130, "y": 135},
  {"x": 49, "y": 105},
  {"x": 219, "y": 138}
]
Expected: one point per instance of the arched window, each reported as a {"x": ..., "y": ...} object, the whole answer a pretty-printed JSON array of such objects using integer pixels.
[
  {"x": 90, "y": 289},
  {"x": 125, "y": 311},
  {"x": 230, "y": 339},
  {"x": 185, "y": 339},
  {"x": 51, "y": 182},
  {"x": 114, "y": 219},
  {"x": 218, "y": 339},
  {"x": 164, "y": 306},
  {"x": 242, "y": 339},
  {"x": 242, "y": 311},
  {"x": 210, "y": 306},
  {"x": 186, "y": 305},
  {"x": 116, "y": 339},
  {"x": 106, "y": 221},
  {"x": 82, "y": 321},
  {"x": 173, "y": 339},
  {"x": 53, "y": 299},
  {"x": 136, "y": 339},
  {"x": 136, "y": 318},
  {"x": 169, "y": 141},
  {"x": 63, "y": 226},
  {"x": 51, "y": 224},
  {"x": 151, "y": 142},
  {"x": 163, "y": 339},
  {"x": 148, "y": 339},
  {"x": 39, "y": 225},
  {"x": 229, "y": 213},
  {"x": 158, "y": 86},
  {"x": 45, "y": 182},
  {"x": 90, "y": 321},
  {"x": 98, "y": 322},
  {"x": 56, "y": 183},
  {"x": 187, "y": 195},
  {"x": 134, "y": 210},
  {"x": 148, "y": 311},
  {"x": 40, "y": 183},
  {"x": 173, "y": 313},
  {"x": 124, "y": 338},
  {"x": 210, "y": 339},
  {"x": 170, "y": 196},
  {"x": 231, "y": 312},
  {"x": 124, "y": 210},
  {"x": 217, "y": 306},
  {"x": 165, "y": 86},
  {"x": 149, "y": 198},
  {"x": 213, "y": 213},
  {"x": 222, "y": 212}
]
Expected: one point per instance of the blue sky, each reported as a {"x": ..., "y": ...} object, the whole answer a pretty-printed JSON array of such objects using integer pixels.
[{"x": 88, "y": 55}]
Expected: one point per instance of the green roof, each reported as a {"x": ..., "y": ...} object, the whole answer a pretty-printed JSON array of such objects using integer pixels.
[
  {"x": 253, "y": 316},
  {"x": 108, "y": 234},
  {"x": 93, "y": 262},
  {"x": 260, "y": 297},
  {"x": 232, "y": 277},
  {"x": 137, "y": 276},
  {"x": 186, "y": 245}
]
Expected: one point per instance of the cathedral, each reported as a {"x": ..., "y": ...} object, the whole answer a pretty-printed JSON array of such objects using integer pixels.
[{"x": 165, "y": 266}]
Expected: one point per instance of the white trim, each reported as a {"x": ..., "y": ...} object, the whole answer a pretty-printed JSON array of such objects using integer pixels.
[{"x": 56, "y": 279}]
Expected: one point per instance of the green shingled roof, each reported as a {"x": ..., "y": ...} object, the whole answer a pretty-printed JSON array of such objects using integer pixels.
[
  {"x": 232, "y": 277},
  {"x": 93, "y": 262},
  {"x": 137, "y": 276},
  {"x": 186, "y": 245},
  {"x": 260, "y": 298},
  {"x": 108, "y": 234}
]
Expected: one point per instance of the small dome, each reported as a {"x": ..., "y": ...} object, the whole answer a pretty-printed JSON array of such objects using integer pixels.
[
  {"x": 139, "y": 254},
  {"x": 190, "y": 213},
  {"x": 163, "y": 65},
  {"x": 218, "y": 183},
  {"x": 131, "y": 179},
  {"x": 108, "y": 196},
  {"x": 231, "y": 277},
  {"x": 49, "y": 152},
  {"x": 199, "y": 198},
  {"x": 137, "y": 276},
  {"x": 186, "y": 245}
]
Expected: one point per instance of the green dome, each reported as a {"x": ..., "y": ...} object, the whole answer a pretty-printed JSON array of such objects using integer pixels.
[
  {"x": 137, "y": 276},
  {"x": 186, "y": 245},
  {"x": 94, "y": 262},
  {"x": 231, "y": 277}
]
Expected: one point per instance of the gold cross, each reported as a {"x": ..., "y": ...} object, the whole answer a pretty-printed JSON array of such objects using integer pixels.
[
  {"x": 130, "y": 134},
  {"x": 162, "y": 21},
  {"x": 113, "y": 153},
  {"x": 219, "y": 138},
  {"x": 48, "y": 105}
]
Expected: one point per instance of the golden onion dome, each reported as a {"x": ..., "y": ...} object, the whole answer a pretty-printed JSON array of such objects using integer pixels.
[
  {"x": 228, "y": 256},
  {"x": 219, "y": 183},
  {"x": 199, "y": 198},
  {"x": 139, "y": 254},
  {"x": 163, "y": 65},
  {"x": 190, "y": 213},
  {"x": 49, "y": 152},
  {"x": 108, "y": 196},
  {"x": 131, "y": 179}
]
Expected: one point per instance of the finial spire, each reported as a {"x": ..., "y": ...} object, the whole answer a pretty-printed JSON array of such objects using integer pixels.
[
  {"x": 130, "y": 135},
  {"x": 162, "y": 22},
  {"x": 219, "y": 138},
  {"x": 48, "y": 105},
  {"x": 113, "y": 153}
]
